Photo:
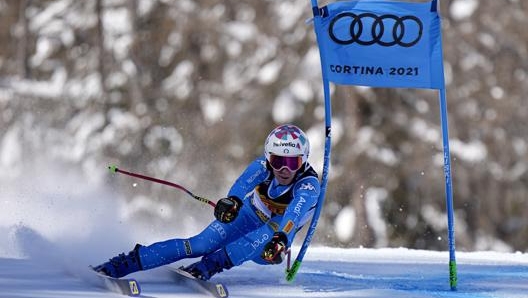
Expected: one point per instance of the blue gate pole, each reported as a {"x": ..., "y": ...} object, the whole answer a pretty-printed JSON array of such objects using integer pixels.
[
  {"x": 290, "y": 274},
  {"x": 449, "y": 191}
]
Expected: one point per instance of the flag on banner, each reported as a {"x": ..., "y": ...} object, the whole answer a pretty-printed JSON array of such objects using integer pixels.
[{"x": 382, "y": 44}]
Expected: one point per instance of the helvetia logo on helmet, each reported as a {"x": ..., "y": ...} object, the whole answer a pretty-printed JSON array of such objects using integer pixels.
[{"x": 289, "y": 144}]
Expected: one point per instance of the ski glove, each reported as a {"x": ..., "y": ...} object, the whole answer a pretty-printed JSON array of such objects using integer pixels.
[
  {"x": 226, "y": 209},
  {"x": 275, "y": 250}
]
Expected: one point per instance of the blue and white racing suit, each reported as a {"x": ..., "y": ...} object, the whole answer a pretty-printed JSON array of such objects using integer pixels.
[{"x": 267, "y": 208}]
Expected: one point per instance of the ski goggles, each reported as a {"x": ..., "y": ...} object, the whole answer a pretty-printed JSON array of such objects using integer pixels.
[{"x": 293, "y": 163}]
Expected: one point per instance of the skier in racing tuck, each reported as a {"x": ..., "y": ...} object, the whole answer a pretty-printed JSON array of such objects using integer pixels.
[{"x": 264, "y": 209}]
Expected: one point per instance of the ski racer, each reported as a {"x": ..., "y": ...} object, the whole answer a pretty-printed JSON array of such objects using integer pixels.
[{"x": 264, "y": 209}]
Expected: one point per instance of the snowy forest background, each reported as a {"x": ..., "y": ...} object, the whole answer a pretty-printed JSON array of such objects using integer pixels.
[{"x": 187, "y": 90}]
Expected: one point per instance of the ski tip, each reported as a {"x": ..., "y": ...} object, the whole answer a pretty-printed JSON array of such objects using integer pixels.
[
  {"x": 112, "y": 168},
  {"x": 134, "y": 288},
  {"x": 218, "y": 290},
  {"x": 126, "y": 286},
  {"x": 221, "y": 290}
]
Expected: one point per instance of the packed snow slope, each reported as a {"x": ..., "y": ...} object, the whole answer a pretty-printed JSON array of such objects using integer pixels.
[
  {"x": 53, "y": 229},
  {"x": 48, "y": 271},
  {"x": 326, "y": 272}
]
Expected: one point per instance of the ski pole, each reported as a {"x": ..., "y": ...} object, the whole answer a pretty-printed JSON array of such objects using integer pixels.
[{"x": 114, "y": 169}]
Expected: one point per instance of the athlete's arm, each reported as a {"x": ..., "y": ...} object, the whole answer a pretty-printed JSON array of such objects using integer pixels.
[
  {"x": 300, "y": 210},
  {"x": 255, "y": 173}
]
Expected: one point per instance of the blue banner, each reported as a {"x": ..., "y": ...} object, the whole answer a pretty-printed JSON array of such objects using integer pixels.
[{"x": 382, "y": 44}]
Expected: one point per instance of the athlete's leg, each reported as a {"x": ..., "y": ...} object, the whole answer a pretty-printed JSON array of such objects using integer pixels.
[
  {"x": 251, "y": 245},
  {"x": 212, "y": 238}
]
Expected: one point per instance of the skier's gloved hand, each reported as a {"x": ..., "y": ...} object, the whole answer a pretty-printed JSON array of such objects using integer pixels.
[
  {"x": 275, "y": 250},
  {"x": 226, "y": 209}
]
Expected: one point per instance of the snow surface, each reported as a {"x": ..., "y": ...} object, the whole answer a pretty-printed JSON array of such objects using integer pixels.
[
  {"x": 52, "y": 231},
  {"x": 326, "y": 272}
]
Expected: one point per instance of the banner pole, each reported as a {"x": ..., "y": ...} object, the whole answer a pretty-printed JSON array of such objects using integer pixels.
[
  {"x": 453, "y": 277},
  {"x": 291, "y": 272},
  {"x": 449, "y": 191}
]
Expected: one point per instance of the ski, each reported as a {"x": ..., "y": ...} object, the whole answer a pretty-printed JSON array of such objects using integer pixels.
[
  {"x": 218, "y": 290},
  {"x": 125, "y": 286}
]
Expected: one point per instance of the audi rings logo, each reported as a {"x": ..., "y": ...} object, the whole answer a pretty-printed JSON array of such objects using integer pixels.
[{"x": 386, "y": 30}]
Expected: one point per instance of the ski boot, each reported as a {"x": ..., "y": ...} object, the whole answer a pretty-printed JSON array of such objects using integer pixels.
[
  {"x": 121, "y": 264},
  {"x": 209, "y": 265}
]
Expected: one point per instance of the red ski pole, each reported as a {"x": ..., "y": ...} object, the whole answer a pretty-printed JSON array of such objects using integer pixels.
[{"x": 114, "y": 169}]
